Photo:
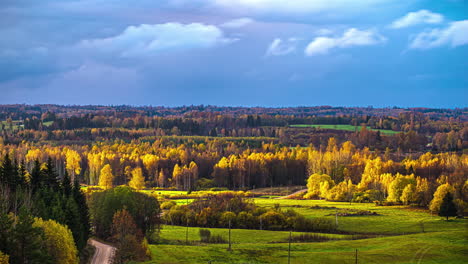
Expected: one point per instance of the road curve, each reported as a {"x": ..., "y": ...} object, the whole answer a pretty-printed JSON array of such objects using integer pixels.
[
  {"x": 103, "y": 254},
  {"x": 292, "y": 195}
]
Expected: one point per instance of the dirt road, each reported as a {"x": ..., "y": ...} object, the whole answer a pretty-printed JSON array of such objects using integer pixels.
[
  {"x": 292, "y": 194},
  {"x": 103, "y": 254}
]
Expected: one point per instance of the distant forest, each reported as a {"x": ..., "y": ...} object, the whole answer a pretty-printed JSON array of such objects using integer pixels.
[{"x": 399, "y": 129}]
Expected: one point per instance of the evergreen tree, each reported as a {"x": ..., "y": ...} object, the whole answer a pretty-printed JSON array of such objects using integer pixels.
[
  {"x": 22, "y": 172},
  {"x": 6, "y": 227},
  {"x": 448, "y": 208},
  {"x": 83, "y": 210},
  {"x": 66, "y": 184},
  {"x": 36, "y": 176},
  {"x": 28, "y": 246},
  {"x": 50, "y": 176},
  {"x": 8, "y": 174}
]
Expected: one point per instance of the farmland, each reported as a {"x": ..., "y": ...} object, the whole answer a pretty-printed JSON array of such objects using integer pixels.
[
  {"x": 345, "y": 127},
  {"x": 398, "y": 230}
]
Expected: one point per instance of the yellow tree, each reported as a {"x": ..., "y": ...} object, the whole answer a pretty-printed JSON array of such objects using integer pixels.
[
  {"x": 137, "y": 182},
  {"x": 193, "y": 175},
  {"x": 177, "y": 175},
  {"x": 4, "y": 259},
  {"x": 106, "y": 177},
  {"x": 73, "y": 160},
  {"x": 316, "y": 184},
  {"x": 58, "y": 241},
  {"x": 439, "y": 195}
]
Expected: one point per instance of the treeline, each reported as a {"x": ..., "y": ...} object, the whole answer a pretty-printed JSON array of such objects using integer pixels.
[
  {"x": 235, "y": 210},
  {"x": 220, "y": 163},
  {"x": 423, "y": 181},
  {"x": 24, "y": 111},
  {"x": 127, "y": 218},
  {"x": 43, "y": 218},
  {"x": 196, "y": 123}
]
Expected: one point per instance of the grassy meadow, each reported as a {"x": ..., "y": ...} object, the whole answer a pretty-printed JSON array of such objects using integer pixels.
[{"x": 401, "y": 235}]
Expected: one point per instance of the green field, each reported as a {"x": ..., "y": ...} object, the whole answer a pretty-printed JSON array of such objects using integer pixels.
[
  {"x": 14, "y": 126},
  {"x": 399, "y": 230},
  {"x": 346, "y": 127}
]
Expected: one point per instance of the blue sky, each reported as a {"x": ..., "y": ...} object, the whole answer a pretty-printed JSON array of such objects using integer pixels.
[{"x": 235, "y": 52}]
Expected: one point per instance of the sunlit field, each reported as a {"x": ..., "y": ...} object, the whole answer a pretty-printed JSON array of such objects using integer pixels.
[{"x": 401, "y": 235}]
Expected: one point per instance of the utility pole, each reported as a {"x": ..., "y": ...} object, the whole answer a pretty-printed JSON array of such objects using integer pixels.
[
  {"x": 289, "y": 249},
  {"x": 356, "y": 262}
]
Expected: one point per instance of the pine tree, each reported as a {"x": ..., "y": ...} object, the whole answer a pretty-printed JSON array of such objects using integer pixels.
[
  {"x": 448, "y": 208},
  {"x": 83, "y": 210},
  {"x": 36, "y": 176},
  {"x": 6, "y": 227},
  {"x": 28, "y": 246},
  {"x": 50, "y": 176},
  {"x": 8, "y": 174},
  {"x": 66, "y": 184}
]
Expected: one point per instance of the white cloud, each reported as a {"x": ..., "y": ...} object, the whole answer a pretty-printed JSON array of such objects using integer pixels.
[
  {"x": 352, "y": 37},
  {"x": 456, "y": 34},
  {"x": 238, "y": 23},
  {"x": 416, "y": 18},
  {"x": 144, "y": 40},
  {"x": 279, "y": 47}
]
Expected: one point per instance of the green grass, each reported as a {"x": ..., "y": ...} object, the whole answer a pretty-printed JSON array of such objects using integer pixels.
[
  {"x": 346, "y": 127},
  {"x": 437, "y": 247},
  {"x": 390, "y": 219},
  {"x": 15, "y": 125},
  {"x": 48, "y": 123},
  {"x": 401, "y": 240}
]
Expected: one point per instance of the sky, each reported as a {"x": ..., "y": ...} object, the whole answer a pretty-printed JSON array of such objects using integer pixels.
[{"x": 381, "y": 53}]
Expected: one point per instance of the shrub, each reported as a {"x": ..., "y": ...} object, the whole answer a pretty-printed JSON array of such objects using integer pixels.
[
  {"x": 273, "y": 220},
  {"x": 168, "y": 205},
  {"x": 206, "y": 237}
]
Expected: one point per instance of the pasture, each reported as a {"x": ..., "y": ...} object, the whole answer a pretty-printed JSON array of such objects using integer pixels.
[
  {"x": 344, "y": 127},
  {"x": 401, "y": 235}
]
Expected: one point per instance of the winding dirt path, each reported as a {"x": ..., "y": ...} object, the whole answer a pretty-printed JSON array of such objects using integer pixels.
[
  {"x": 104, "y": 253},
  {"x": 292, "y": 194}
]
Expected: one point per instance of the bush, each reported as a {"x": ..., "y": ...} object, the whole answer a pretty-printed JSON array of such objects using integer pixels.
[
  {"x": 168, "y": 205},
  {"x": 273, "y": 220},
  {"x": 323, "y": 224},
  {"x": 206, "y": 237}
]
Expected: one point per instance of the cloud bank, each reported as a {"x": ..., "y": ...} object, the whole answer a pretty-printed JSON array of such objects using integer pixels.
[
  {"x": 144, "y": 40},
  {"x": 351, "y": 38},
  {"x": 417, "y": 18},
  {"x": 456, "y": 34}
]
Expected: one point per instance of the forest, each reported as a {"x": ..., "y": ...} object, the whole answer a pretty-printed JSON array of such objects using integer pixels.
[{"x": 69, "y": 173}]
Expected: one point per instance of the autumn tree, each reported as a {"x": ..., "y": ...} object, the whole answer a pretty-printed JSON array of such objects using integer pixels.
[
  {"x": 138, "y": 181},
  {"x": 128, "y": 237},
  {"x": 58, "y": 241},
  {"x": 317, "y": 184},
  {"x": 106, "y": 177},
  {"x": 439, "y": 195},
  {"x": 73, "y": 160}
]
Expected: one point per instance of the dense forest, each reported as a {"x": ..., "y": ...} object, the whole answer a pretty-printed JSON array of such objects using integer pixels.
[{"x": 48, "y": 153}]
